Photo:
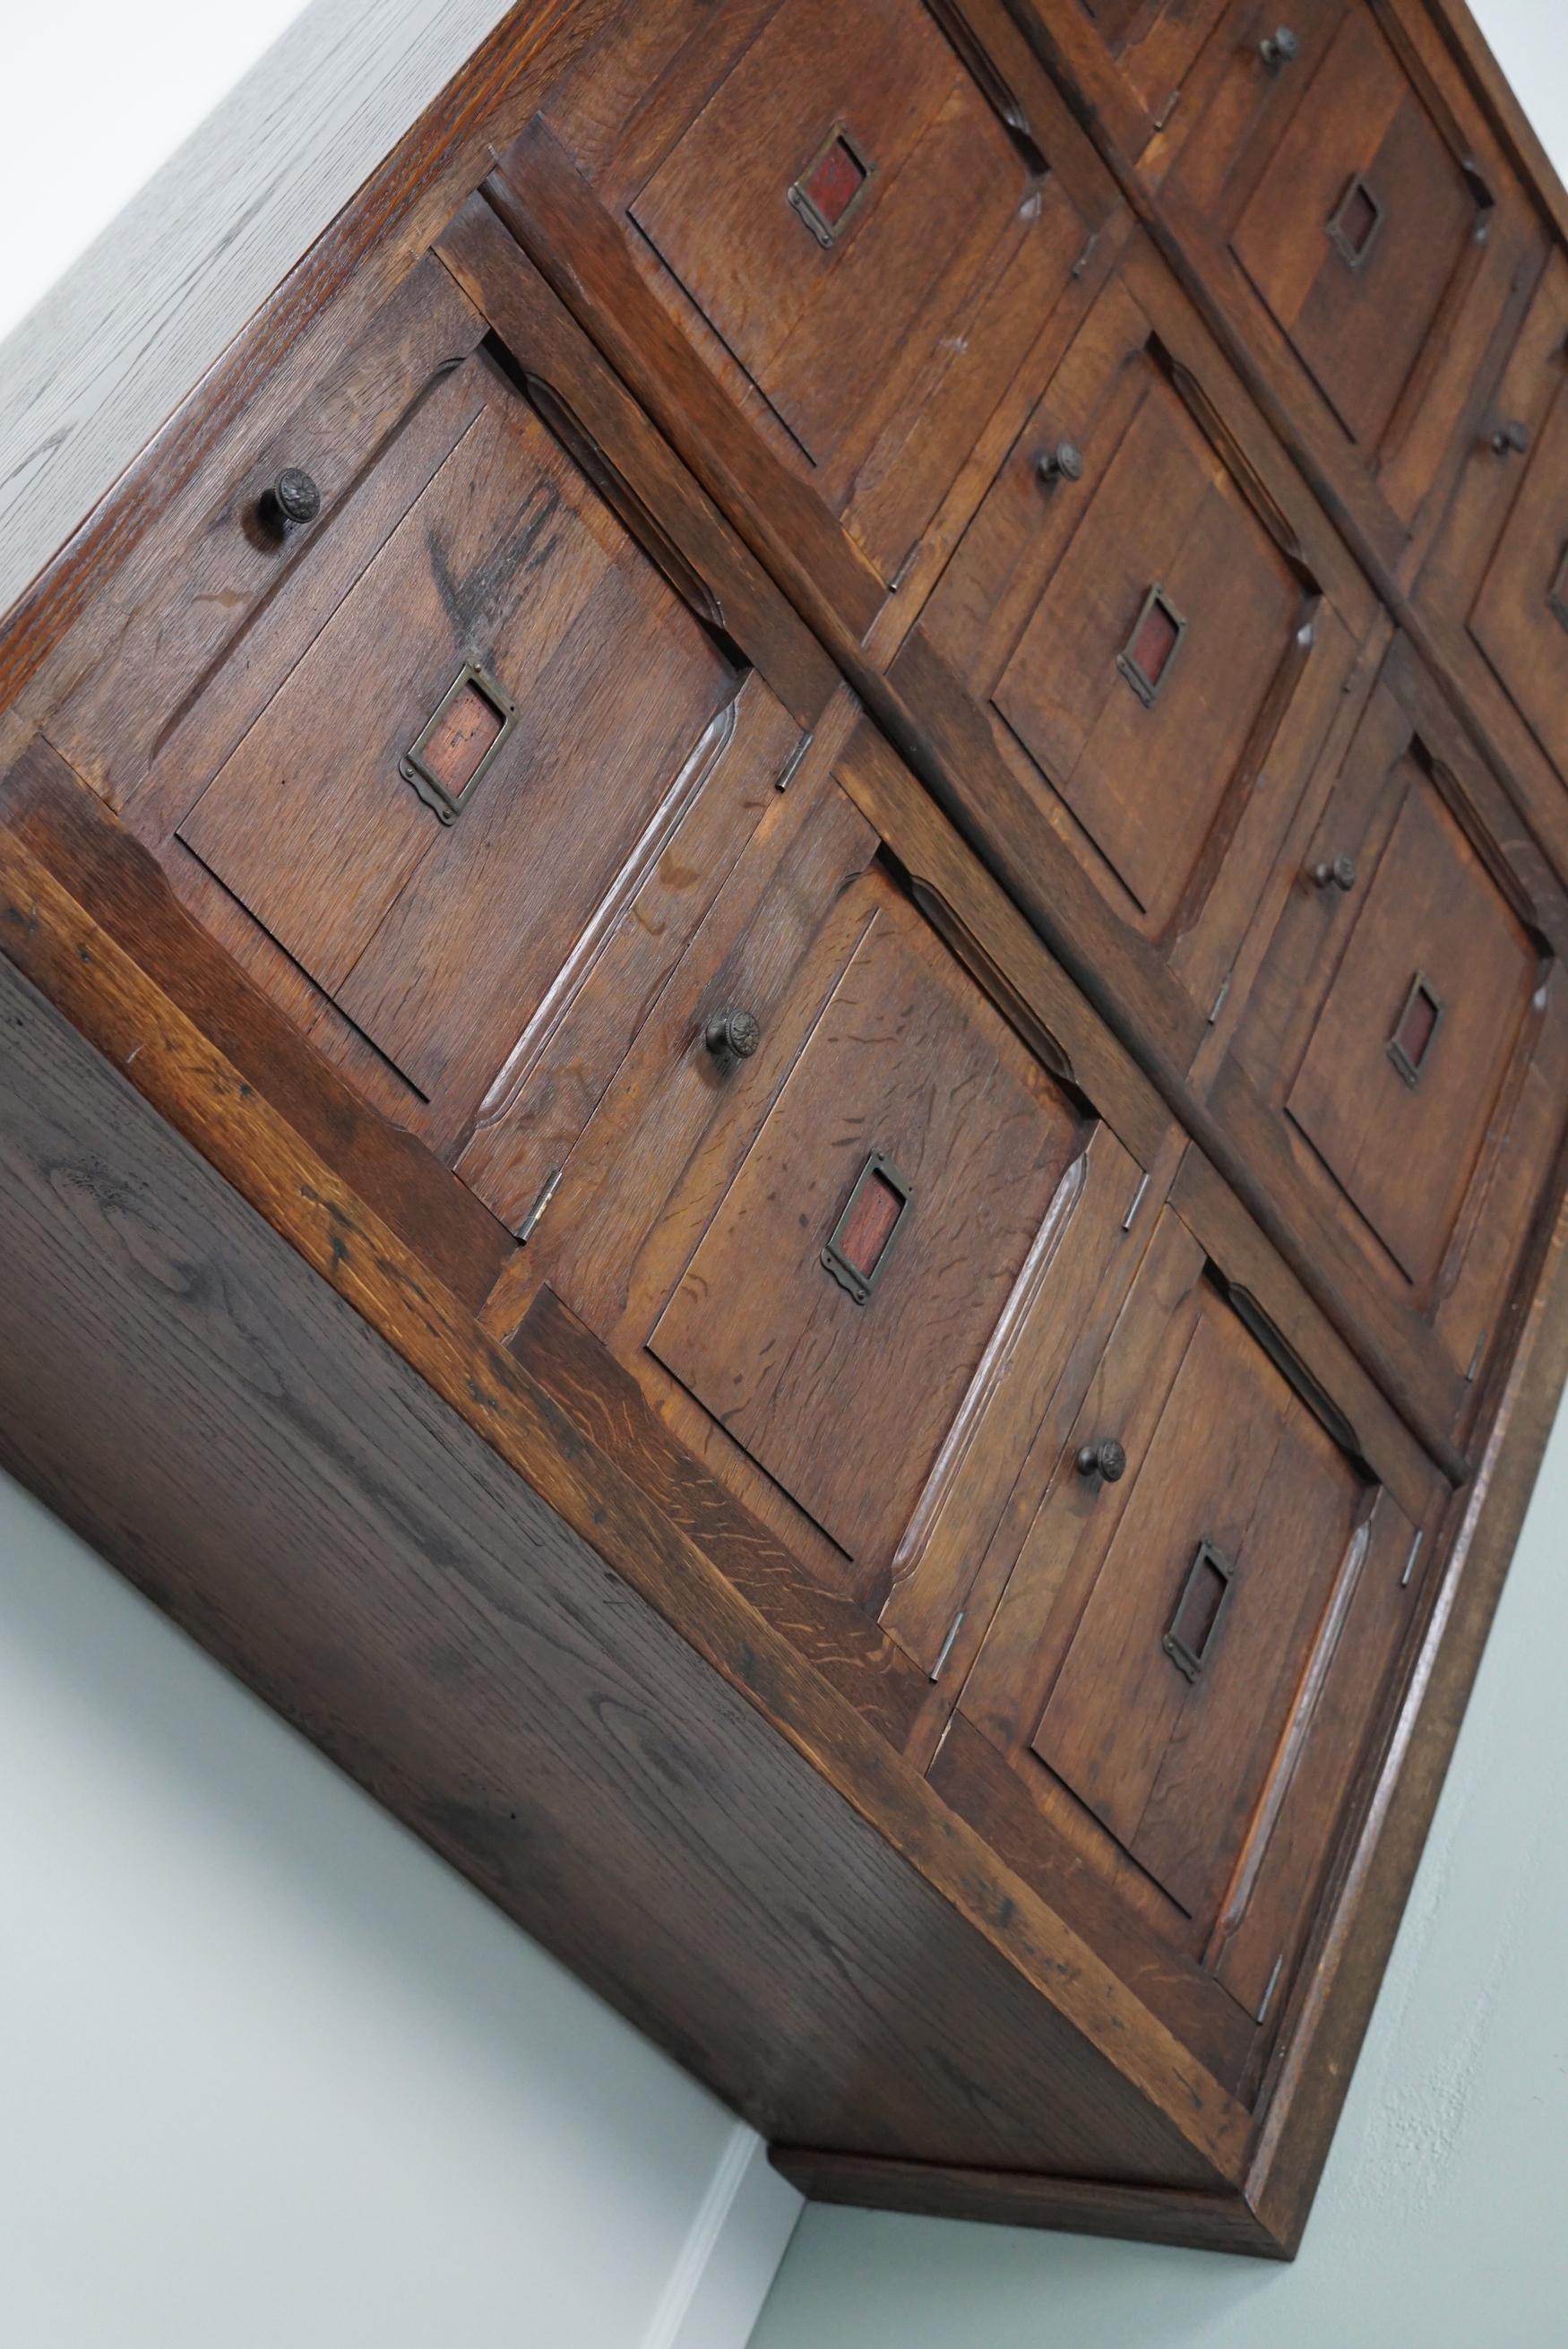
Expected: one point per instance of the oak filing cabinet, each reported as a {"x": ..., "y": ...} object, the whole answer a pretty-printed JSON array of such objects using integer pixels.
[{"x": 787, "y": 1066}]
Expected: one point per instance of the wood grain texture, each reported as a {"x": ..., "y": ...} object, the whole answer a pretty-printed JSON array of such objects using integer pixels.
[
  {"x": 90, "y": 423},
  {"x": 484, "y": 1386}
]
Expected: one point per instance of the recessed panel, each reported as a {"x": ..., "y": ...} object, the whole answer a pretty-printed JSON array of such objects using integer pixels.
[
  {"x": 1520, "y": 617},
  {"x": 406, "y": 817},
  {"x": 813, "y": 209},
  {"x": 1139, "y": 677},
  {"x": 1361, "y": 220},
  {"x": 1399, "y": 1081},
  {"x": 1168, "y": 1711},
  {"x": 835, "y": 1309}
]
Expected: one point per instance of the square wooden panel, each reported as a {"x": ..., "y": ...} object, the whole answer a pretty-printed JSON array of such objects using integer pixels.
[
  {"x": 1149, "y": 657},
  {"x": 1353, "y": 216},
  {"x": 820, "y": 241},
  {"x": 376, "y": 798},
  {"x": 1497, "y": 584},
  {"x": 838, "y": 1305},
  {"x": 1408, "y": 1029},
  {"x": 1187, "y": 1659}
]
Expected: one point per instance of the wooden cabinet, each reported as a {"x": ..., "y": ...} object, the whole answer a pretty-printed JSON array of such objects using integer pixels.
[
  {"x": 1134, "y": 653},
  {"x": 1353, "y": 219},
  {"x": 1497, "y": 584},
  {"x": 786, "y": 1063},
  {"x": 820, "y": 243},
  {"x": 1407, "y": 1030}
]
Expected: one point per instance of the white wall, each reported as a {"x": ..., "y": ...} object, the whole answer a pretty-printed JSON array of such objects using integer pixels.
[
  {"x": 269, "y": 2072},
  {"x": 1443, "y": 2217}
]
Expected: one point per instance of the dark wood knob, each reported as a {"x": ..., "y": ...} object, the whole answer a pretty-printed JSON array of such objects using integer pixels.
[
  {"x": 732, "y": 1035},
  {"x": 1512, "y": 439},
  {"x": 1106, "y": 1459},
  {"x": 1335, "y": 873},
  {"x": 1280, "y": 48},
  {"x": 1062, "y": 463},
  {"x": 294, "y": 498}
]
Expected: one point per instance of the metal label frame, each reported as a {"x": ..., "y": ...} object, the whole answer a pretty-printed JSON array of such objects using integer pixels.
[
  {"x": 1412, "y": 1071},
  {"x": 411, "y": 766},
  {"x": 1355, "y": 256},
  {"x": 848, "y": 1275},
  {"x": 1149, "y": 688},
  {"x": 1189, "y": 1661},
  {"x": 827, "y": 233}
]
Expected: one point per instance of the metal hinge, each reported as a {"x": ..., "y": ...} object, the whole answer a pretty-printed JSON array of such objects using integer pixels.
[
  {"x": 1219, "y": 1004},
  {"x": 1137, "y": 1202},
  {"x": 904, "y": 568},
  {"x": 788, "y": 771},
  {"x": 1086, "y": 256},
  {"x": 1475, "y": 1360},
  {"x": 940, "y": 1666},
  {"x": 1410, "y": 1562},
  {"x": 1273, "y": 1985},
  {"x": 530, "y": 1223}
]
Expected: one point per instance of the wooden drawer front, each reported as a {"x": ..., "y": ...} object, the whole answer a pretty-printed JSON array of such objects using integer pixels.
[
  {"x": 431, "y": 926},
  {"x": 1500, "y": 572},
  {"x": 845, "y": 218},
  {"x": 838, "y": 1305},
  {"x": 858, "y": 1270},
  {"x": 1143, "y": 645},
  {"x": 463, "y": 789},
  {"x": 1365, "y": 233},
  {"x": 1410, "y": 1034},
  {"x": 1156, "y": 1673}
]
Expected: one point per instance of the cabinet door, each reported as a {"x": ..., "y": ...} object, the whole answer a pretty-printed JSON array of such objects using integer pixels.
[
  {"x": 1156, "y": 1678},
  {"x": 1498, "y": 581},
  {"x": 1135, "y": 626},
  {"x": 1407, "y": 1030},
  {"x": 1362, "y": 230},
  {"x": 858, "y": 1268},
  {"x": 463, "y": 789},
  {"x": 820, "y": 241}
]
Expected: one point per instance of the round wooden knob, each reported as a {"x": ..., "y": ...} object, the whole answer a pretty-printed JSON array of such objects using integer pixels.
[
  {"x": 1062, "y": 463},
  {"x": 1280, "y": 48},
  {"x": 293, "y": 498},
  {"x": 1106, "y": 1459},
  {"x": 1510, "y": 440},
  {"x": 733, "y": 1035},
  {"x": 1335, "y": 873}
]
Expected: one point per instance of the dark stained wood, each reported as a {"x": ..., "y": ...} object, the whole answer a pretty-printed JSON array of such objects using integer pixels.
[
  {"x": 62, "y": 832},
  {"x": 311, "y": 1441},
  {"x": 678, "y": 1480},
  {"x": 825, "y": 382},
  {"x": 582, "y": 1376},
  {"x": 1210, "y": 2222},
  {"x": 1493, "y": 592},
  {"x": 1442, "y": 938},
  {"x": 1377, "y": 368},
  {"x": 1149, "y": 654}
]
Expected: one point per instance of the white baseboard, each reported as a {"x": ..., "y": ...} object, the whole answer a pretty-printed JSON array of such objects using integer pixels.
[{"x": 730, "y": 2255}]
